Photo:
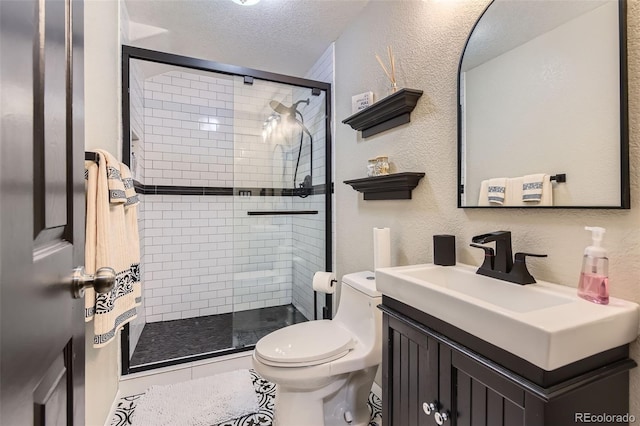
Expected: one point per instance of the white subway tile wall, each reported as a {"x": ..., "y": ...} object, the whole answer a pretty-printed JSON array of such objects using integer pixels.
[
  {"x": 263, "y": 159},
  {"x": 204, "y": 255},
  {"x": 262, "y": 254},
  {"x": 309, "y": 252},
  {"x": 137, "y": 169},
  {"x": 136, "y": 120},
  {"x": 188, "y": 256},
  {"x": 188, "y": 130},
  {"x": 323, "y": 70},
  {"x": 309, "y": 238}
]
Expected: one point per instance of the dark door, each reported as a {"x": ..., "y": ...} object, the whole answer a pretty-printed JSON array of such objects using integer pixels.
[{"x": 42, "y": 212}]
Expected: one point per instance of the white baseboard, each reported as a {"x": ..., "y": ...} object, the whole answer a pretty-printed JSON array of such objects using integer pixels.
[{"x": 137, "y": 383}]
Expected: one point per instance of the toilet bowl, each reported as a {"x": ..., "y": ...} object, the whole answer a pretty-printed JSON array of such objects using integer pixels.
[{"x": 324, "y": 370}]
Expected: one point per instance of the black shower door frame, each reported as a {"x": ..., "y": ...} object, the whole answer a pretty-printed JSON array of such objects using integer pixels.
[{"x": 131, "y": 52}]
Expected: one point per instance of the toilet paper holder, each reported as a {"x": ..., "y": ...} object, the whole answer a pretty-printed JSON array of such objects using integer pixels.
[{"x": 327, "y": 309}]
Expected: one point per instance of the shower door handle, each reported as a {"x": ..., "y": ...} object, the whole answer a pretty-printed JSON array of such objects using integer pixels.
[{"x": 102, "y": 281}]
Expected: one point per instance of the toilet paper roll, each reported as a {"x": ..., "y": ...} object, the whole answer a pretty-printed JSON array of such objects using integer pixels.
[
  {"x": 323, "y": 282},
  {"x": 381, "y": 248}
]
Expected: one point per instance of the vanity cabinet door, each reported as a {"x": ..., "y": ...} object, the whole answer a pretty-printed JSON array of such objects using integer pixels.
[
  {"x": 419, "y": 370},
  {"x": 483, "y": 398},
  {"x": 410, "y": 375}
]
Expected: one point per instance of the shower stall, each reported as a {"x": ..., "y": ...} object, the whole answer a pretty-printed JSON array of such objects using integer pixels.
[{"x": 233, "y": 170}]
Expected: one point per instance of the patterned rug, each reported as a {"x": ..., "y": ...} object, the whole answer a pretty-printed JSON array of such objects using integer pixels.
[{"x": 264, "y": 417}]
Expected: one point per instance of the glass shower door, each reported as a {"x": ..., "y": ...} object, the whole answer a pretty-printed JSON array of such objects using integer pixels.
[
  {"x": 233, "y": 223},
  {"x": 279, "y": 198}
]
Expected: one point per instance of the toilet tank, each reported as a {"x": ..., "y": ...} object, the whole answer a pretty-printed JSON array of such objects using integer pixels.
[{"x": 358, "y": 310}]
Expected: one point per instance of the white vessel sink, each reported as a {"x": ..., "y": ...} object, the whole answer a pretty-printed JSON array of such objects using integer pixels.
[{"x": 546, "y": 324}]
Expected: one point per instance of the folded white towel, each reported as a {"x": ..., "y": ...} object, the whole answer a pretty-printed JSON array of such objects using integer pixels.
[
  {"x": 496, "y": 189},
  {"x": 483, "y": 198},
  {"x": 532, "y": 187},
  {"x": 513, "y": 193}
]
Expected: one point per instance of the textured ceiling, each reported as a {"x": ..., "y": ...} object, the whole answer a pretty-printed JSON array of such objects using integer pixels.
[{"x": 281, "y": 36}]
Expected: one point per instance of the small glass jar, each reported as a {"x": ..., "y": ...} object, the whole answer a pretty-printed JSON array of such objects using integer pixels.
[
  {"x": 371, "y": 167},
  {"x": 382, "y": 165},
  {"x": 393, "y": 88}
]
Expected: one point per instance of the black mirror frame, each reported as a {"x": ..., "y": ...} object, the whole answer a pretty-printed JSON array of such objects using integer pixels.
[{"x": 625, "y": 189}]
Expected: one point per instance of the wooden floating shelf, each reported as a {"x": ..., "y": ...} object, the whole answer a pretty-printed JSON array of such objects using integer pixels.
[
  {"x": 385, "y": 114},
  {"x": 396, "y": 186}
]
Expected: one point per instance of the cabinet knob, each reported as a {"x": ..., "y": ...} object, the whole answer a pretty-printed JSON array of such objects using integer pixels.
[
  {"x": 441, "y": 417},
  {"x": 428, "y": 408}
]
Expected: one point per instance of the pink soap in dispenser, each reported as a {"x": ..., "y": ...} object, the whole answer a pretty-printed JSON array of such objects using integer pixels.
[{"x": 594, "y": 279}]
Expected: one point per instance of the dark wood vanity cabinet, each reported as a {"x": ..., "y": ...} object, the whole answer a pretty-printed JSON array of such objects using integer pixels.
[
  {"x": 424, "y": 371},
  {"x": 430, "y": 379}
]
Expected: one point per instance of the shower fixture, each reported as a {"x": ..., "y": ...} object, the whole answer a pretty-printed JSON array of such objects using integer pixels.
[
  {"x": 304, "y": 188},
  {"x": 290, "y": 111}
]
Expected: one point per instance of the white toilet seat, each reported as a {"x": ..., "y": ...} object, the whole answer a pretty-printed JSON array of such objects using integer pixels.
[{"x": 305, "y": 344}]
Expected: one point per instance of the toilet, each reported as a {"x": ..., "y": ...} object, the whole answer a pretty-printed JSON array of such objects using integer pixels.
[{"x": 324, "y": 369}]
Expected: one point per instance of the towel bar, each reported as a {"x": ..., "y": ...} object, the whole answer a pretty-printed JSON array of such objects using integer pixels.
[
  {"x": 280, "y": 212},
  {"x": 91, "y": 156}
]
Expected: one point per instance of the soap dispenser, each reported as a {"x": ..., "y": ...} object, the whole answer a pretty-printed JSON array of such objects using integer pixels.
[{"x": 594, "y": 280}]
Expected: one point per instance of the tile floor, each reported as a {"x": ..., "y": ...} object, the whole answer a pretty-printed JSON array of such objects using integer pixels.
[
  {"x": 165, "y": 340},
  {"x": 266, "y": 391}
]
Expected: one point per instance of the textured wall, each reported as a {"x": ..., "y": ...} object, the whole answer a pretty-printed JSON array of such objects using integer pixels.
[
  {"x": 102, "y": 130},
  {"x": 428, "y": 38}
]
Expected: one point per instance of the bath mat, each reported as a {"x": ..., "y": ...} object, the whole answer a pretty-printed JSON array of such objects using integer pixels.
[
  {"x": 264, "y": 417},
  {"x": 200, "y": 402}
]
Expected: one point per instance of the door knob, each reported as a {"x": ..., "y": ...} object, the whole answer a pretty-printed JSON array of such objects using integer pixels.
[{"x": 102, "y": 281}]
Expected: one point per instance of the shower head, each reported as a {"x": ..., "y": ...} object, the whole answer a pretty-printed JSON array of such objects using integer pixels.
[
  {"x": 279, "y": 108},
  {"x": 283, "y": 110}
]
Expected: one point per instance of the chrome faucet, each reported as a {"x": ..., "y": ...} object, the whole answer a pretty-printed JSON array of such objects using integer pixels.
[{"x": 499, "y": 263}]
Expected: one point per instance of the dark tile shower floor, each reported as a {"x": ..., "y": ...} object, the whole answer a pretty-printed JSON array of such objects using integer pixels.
[{"x": 165, "y": 340}]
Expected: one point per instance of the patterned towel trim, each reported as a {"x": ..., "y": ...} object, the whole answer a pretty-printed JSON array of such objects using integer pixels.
[
  {"x": 532, "y": 191},
  {"x": 122, "y": 319},
  {"x": 532, "y": 186},
  {"x": 532, "y": 197},
  {"x": 105, "y": 302},
  {"x": 116, "y": 185},
  {"x": 130, "y": 192},
  {"x": 113, "y": 173},
  {"x": 116, "y": 195},
  {"x": 496, "y": 194},
  {"x": 132, "y": 201}
]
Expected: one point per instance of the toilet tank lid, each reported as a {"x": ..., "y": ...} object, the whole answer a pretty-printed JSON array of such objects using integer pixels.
[{"x": 364, "y": 282}]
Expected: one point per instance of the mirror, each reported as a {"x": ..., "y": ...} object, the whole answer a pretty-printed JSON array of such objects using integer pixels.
[{"x": 542, "y": 90}]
